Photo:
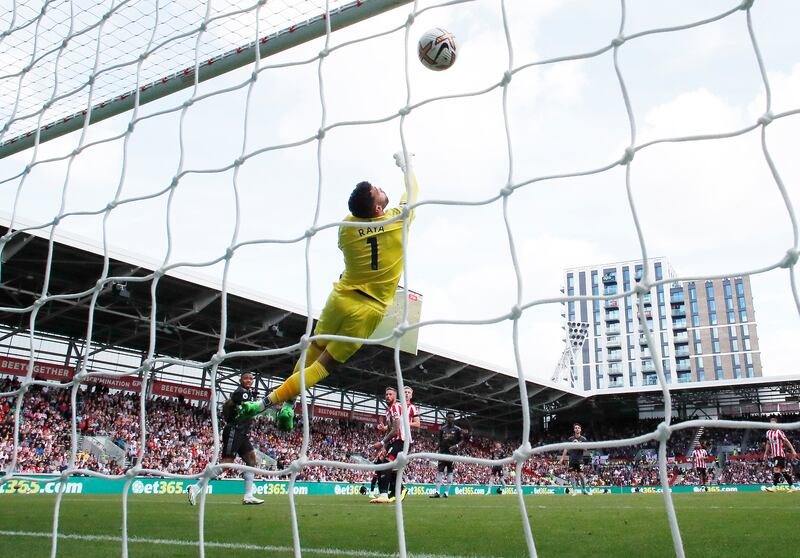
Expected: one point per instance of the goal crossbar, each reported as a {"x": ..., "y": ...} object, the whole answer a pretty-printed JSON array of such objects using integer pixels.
[{"x": 270, "y": 44}]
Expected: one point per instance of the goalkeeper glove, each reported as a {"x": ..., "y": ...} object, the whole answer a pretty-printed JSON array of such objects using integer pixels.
[
  {"x": 400, "y": 160},
  {"x": 249, "y": 410}
]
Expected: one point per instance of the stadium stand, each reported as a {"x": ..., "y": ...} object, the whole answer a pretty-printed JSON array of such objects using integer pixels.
[{"x": 180, "y": 441}]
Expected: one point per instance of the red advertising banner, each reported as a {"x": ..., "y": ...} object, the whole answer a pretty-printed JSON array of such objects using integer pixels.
[
  {"x": 364, "y": 417},
  {"x": 330, "y": 412},
  {"x": 170, "y": 389},
  {"x": 41, "y": 370},
  {"x": 49, "y": 371},
  {"x": 125, "y": 383}
]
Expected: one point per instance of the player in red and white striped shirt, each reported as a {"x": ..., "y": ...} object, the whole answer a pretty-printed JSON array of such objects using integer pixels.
[
  {"x": 412, "y": 416},
  {"x": 699, "y": 456},
  {"x": 392, "y": 442},
  {"x": 413, "y": 410},
  {"x": 774, "y": 448}
]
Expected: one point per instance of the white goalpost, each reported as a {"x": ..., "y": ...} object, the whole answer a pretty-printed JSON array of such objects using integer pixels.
[{"x": 71, "y": 64}]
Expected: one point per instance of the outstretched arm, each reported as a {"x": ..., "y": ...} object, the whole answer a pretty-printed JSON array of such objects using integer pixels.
[{"x": 411, "y": 180}]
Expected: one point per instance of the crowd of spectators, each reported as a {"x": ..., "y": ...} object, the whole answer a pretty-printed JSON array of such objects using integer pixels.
[{"x": 180, "y": 440}]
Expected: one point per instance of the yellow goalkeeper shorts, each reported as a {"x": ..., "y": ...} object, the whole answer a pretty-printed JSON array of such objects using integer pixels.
[{"x": 349, "y": 313}]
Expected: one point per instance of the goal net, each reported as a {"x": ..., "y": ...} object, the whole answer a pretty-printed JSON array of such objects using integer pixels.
[{"x": 112, "y": 127}]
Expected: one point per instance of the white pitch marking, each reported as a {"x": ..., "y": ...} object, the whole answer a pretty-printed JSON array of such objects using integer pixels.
[{"x": 236, "y": 546}]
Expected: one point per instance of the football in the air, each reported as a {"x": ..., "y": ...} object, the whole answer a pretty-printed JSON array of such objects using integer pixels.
[{"x": 437, "y": 49}]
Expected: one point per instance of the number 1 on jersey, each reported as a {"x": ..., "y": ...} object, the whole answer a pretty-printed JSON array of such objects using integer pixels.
[{"x": 373, "y": 244}]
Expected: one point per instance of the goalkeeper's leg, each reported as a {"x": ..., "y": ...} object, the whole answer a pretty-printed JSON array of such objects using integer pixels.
[
  {"x": 346, "y": 313},
  {"x": 315, "y": 372},
  {"x": 290, "y": 389}
]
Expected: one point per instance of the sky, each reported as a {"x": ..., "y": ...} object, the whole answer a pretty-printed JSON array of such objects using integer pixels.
[{"x": 710, "y": 207}]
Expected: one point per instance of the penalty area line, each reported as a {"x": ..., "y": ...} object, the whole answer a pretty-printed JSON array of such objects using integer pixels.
[{"x": 233, "y": 546}]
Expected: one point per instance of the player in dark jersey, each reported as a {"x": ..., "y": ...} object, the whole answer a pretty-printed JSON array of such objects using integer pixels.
[
  {"x": 497, "y": 470},
  {"x": 451, "y": 437},
  {"x": 236, "y": 438},
  {"x": 575, "y": 461}
]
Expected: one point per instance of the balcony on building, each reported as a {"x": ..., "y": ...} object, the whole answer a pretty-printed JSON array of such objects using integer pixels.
[
  {"x": 684, "y": 377},
  {"x": 647, "y": 299},
  {"x": 614, "y": 356},
  {"x": 609, "y": 278},
  {"x": 676, "y": 296},
  {"x": 642, "y": 340},
  {"x": 679, "y": 324},
  {"x": 614, "y": 370},
  {"x": 682, "y": 351},
  {"x": 678, "y": 310},
  {"x": 613, "y": 341},
  {"x": 612, "y": 316},
  {"x": 648, "y": 366},
  {"x": 681, "y": 337},
  {"x": 612, "y": 304},
  {"x": 616, "y": 383},
  {"x": 683, "y": 366},
  {"x": 649, "y": 379},
  {"x": 613, "y": 329}
]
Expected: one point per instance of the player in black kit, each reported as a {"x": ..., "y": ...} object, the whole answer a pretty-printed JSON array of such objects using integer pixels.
[
  {"x": 451, "y": 437},
  {"x": 236, "y": 438},
  {"x": 497, "y": 470},
  {"x": 575, "y": 461}
]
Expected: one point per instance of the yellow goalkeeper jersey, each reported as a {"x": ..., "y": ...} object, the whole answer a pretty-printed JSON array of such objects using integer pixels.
[{"x": 373, "y": 253}]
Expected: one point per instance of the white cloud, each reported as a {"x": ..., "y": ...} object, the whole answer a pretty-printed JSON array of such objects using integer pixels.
[{"x": 691, "y": 113}]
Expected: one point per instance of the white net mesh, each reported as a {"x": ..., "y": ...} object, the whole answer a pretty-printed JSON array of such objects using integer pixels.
[
  {"x": 64, "y": 57},
  {"x": 51, "y": 49}
]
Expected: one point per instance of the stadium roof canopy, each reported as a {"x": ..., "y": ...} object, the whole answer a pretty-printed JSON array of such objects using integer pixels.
[{"x": 188, "y": 325}]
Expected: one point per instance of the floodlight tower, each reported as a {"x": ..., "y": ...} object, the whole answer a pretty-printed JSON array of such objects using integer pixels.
[{"x": 576, "y": 335}]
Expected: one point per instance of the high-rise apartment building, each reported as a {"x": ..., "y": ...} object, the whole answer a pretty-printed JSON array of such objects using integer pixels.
[{"x": 704, "y": 330}]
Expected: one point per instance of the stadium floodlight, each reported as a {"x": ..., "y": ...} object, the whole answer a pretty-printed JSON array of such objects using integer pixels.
[{"x": 576, "y": 336}]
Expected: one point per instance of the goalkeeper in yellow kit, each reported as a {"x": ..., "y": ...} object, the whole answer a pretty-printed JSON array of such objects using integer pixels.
[{"x": 373, "y": 264}]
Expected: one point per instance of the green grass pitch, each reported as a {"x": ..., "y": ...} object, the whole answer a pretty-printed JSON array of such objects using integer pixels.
[{"x": 748, "y": 524}]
